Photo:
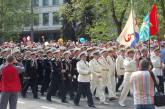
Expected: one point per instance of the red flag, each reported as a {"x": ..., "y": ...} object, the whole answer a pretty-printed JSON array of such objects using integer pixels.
[{"x": 153, "y": 21}]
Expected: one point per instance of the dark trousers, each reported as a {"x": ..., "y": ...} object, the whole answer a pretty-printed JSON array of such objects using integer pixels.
[
  {"x": 10, "y": 97},
  {"x": 164, "y": 74},
  {"x": 45, "y": 84},
  {"x": 54, "y": 86},
  {"x": 66, "y": 88},
  {"x": 84, "y": 87},
  {"x": 120, "y": 81},
  {"x": 74, "y": 85},
  {"x": 33, "y": 83},
  {"x": 161, "y": 84},
  {"x": 21, "y": 78}
]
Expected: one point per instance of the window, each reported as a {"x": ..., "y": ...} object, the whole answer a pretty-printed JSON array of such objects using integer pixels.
[
  {"x": 56, "y": 18},
  {"x": 36, "y": 3},
  {"x": 55, "y": 2},
  {"x": 45, "y": 2},
  {"x": 36, "y": 19},
  {"x": 45, "y": 18}
]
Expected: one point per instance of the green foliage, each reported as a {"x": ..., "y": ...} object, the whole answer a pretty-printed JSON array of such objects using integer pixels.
[
  {"x": 104, "y": 26},
  {"x": 12, "y": 17}
]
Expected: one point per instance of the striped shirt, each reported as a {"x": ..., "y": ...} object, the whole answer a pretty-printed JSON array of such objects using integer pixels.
[{"x": 143, "y": 87}]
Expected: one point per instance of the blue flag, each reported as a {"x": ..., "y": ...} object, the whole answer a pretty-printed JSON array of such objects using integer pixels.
[{"x": 145, "y": 29}]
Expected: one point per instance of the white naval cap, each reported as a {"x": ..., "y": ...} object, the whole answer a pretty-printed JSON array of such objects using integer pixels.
[
  {"x": 16, "y": 50},
  {"x": 82, "y": 53},
  {"x": 62, "y": 48},
  {"x": 90, "y": 49},
  {"x": 56, "y": 51},
  {"x": 77, "y": 49},
  {"x": 6, "y": 49},
  {"x": 66, "y": 52},
  {"x": 103, "y": 51},
  {"x": 53, "y": 49},
  {"x": 95, "y": 53}
]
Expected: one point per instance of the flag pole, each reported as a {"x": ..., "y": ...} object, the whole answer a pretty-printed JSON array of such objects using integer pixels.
[
  {"x": 149, "y": 45},
  {"x": 132, "y": 11}
]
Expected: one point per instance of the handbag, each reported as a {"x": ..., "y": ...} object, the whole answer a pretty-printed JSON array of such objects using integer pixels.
[{"x": 159, "y": 98}]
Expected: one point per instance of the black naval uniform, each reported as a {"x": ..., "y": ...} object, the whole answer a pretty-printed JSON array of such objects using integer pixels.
[
  {"x": 40, "y": 70},
  {"x": 21, "y": 75},
  {"x": 46, "y": 75},
  {"x": 55, "y": 78},
  {"x": 74, "y": 74},
  {"x": 31, "y": 78},
  {"x": 66, "y": 80},
  {"x": 2, "y": 60}
]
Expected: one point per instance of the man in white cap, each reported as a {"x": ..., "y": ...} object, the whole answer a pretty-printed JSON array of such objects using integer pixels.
[
  {"x": 130, "y": 67},
  {"x": 84, "y": 79},
  {"x": 105, "y": 65},
  {"x": 158, "y": 67},
  {"x": 111, "y": 75},
  {"x": 120, "y": 68},
  {"x": 66, "y": 77},
  {"x": 98, "y": 77}
]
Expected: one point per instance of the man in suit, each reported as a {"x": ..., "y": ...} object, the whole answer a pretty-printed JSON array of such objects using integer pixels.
[
  {"x": 66, "y": 77},
  {"x": 46, "y": 71},
  {"x": 31, "y": 76},
  {"x": 55, "y": 77}
]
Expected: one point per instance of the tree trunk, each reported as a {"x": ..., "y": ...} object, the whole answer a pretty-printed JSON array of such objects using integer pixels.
[
  {"x": 119, "y": 28},
  {"x": 163, "y": 8},
  {"x": 119, "y": 22}
]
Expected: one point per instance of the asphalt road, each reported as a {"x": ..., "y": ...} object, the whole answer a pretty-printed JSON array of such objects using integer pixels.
[{"x": 30, "y": 103}]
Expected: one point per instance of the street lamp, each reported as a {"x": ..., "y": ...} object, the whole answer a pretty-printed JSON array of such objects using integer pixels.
[{"x": 31, "y": 29}]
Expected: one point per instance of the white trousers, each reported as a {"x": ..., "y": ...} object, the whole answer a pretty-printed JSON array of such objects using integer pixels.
[
  {"x": 100, "y": 92},
  {"x": 111, "y": 85},
  {"x": 126, "y": 86},
  {"x": 94, "y": 86}
]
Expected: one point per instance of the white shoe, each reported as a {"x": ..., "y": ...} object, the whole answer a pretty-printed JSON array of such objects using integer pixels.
[
  {"x": 104, "y": 102},
  {"x": 121, "y": 104}
]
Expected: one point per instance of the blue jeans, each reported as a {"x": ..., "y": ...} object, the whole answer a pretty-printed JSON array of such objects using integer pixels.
[{"x": 144, "y": 106}]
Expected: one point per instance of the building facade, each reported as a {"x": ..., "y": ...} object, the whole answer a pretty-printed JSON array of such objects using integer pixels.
[{"x": 46, "y": 20}]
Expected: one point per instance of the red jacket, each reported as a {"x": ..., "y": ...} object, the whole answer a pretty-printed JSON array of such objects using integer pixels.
[{"x": 10, "y": 79}]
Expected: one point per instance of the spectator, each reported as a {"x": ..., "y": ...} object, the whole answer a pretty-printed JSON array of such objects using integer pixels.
[
  {"x": 10, "y": 83},
  {"x": 143, "y": 87}
]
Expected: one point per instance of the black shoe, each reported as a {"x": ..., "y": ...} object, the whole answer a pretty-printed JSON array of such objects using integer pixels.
[
  {"x": 97, "y": 98},
  {"x": 71, "y": 98},
  {"x": 36, "y": 97},
  {"x": 48, "y": 99},
  {"x": 93, "y": 106},
  {"x": 76, "y": 104},
  {"x": 65, "y": 101},
  {"x": 23, "y": 95},
  {"x": 112, "y": 99}
]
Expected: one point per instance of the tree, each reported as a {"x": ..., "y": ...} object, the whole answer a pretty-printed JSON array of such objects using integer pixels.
[
  {"x": 107, "y": 17},
  {"x": 12, "y": 16},
  {"x": 76, "y": 15}
]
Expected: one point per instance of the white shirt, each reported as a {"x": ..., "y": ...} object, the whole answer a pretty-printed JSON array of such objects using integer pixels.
[
  {"x": 129, "y": 64},
  {"x": 156, "y": 61},
  {"x": 120, "y": 65},
  {"x": 84, "y": 71}
]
